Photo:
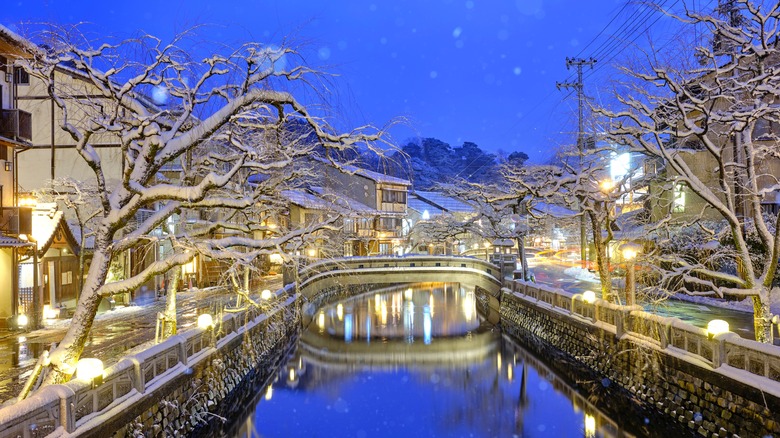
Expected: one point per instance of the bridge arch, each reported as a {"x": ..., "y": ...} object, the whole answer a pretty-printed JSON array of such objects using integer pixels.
[{"x": 317, "y": 282}]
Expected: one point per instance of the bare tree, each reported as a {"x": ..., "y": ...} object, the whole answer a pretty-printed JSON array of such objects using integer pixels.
[
  {"x": 580, "y": 181},
  {"x": 711, "y": 124},
  {"x": 224, "y": 121}
]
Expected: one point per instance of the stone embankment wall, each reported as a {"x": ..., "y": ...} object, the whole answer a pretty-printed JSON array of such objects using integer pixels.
[
  {"x": 196, "y": 402},
  {"x": 717, "y": 387},
  {"x": 175, "y": 388}
]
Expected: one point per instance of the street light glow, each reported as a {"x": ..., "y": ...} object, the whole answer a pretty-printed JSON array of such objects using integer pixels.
[
  {"x": 716, "y": 327},
  {"x": 88, "y": 369},
  {"x": 607, "y": 185},
  {"x": 589, "y": 297},
  {"x": 205, "y": 321}
]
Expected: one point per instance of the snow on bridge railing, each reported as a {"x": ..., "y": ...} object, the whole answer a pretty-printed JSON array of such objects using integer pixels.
[
  {"x": 395, "y": 262},
  {"x": 80, "y": 403},
  {"x": 670, "y": 334}
]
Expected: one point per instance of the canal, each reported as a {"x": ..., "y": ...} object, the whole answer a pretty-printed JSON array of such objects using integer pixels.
[{"x": 420, "y": 361}]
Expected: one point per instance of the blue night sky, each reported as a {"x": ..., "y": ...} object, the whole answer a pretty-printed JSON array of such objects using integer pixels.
[{"x": 458, "y": 70}]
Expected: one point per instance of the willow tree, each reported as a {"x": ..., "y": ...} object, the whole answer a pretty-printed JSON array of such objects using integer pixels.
[
  {"x": 710, "y": 119},
  {"x": 200, "y": 173}
]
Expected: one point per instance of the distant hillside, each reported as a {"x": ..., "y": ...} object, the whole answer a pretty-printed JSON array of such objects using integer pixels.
[{"x": 429, "y": 161}]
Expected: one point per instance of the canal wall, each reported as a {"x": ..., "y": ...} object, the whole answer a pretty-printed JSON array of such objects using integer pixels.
[
  {"x": 716, "y": 386},
  {"x": 175, "y": 388}
]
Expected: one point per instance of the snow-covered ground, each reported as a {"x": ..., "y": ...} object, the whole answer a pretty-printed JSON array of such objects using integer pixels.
[{"x": 745, "y": 305}]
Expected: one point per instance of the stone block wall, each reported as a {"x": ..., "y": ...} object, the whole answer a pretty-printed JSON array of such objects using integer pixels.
[
  {"x": 196, "y": 401},
  {"x": 707, "y": 402}
]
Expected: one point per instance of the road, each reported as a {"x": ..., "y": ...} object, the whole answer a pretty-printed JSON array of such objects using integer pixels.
[
  {"x": 552, "y": 273},
  {"x": 114, "y": 333}
]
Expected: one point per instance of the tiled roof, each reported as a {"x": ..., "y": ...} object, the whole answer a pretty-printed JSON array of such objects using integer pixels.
[{"x": 11, "y": 242}]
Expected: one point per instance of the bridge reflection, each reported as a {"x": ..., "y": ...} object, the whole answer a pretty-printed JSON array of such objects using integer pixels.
[{"x": 418, "y": 357}]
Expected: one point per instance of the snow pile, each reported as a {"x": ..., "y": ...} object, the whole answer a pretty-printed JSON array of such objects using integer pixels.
[
  {"x": 581, "y": 274},
  {"x": 745, "y": 305}
]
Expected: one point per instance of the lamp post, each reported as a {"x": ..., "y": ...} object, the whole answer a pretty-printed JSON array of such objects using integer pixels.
[{"x": 630, "y": 250}]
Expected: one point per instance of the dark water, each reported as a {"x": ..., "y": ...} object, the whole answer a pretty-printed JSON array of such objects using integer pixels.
[{"x": 417, "y": 362}]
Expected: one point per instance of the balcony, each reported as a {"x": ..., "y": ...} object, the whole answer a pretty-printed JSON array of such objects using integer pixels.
[
  {"x": 16, "y": 124},
  {"x": 16, "y": 221}
]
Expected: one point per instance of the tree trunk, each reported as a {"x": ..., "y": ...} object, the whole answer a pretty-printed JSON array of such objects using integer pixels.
[
  {"x": 602, "y": 260},
  {"x": 762, "y": 317},
  {"x": 67, "y": 353},
  {"x": 169, "y": 327}
]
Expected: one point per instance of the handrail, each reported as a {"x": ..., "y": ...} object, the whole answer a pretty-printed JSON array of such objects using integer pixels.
[
  {"x": 77, "y": 402},
  {"x": 317, "y": 269},
  {"x": 666, "y": 333}
]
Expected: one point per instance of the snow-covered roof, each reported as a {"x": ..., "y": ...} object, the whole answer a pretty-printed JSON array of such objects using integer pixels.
[
  {"x": 308, "y": 200},
  {"x": 553, "y": 210},
  {"x": 376, "y": 176},
  {"x": 444, "y": 202},
  {"x": 630, "y": 226},
  {"x": 89, "y": 242},
  {"x": 17, "y": 40},
  {"x": 11, "y": 242},
  {"x": 321, "y": 198},
  {"x": 419, "y": 205},
  {"x": 380, "y": 178},
  {"x": 45, "y": 223}
]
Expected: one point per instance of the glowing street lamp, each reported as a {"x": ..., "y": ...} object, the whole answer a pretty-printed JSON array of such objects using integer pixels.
[
  {"x": 205, "y": 321},
  {"x": 607, "y": 185},
  {"x": 22, "y": 320},
  {"x": 589, "y": 296},
  {"x": 716, "y": 327},
  {"x": 630, "y": 251},
  {"x": 90, "y": 369}
]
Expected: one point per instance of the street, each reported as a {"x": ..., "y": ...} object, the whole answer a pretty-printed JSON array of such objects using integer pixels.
[
  {"x": 554, "y": 273},
  {"x": 115, "y": 333}
]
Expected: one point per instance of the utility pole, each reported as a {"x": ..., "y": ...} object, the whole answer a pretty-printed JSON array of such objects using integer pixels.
[{"x": 579, "y": 63}]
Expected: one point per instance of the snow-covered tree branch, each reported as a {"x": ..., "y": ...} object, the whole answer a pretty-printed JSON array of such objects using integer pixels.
[
  {"x": 712, "y": 125},
  {"x": 203, "y": 161}
]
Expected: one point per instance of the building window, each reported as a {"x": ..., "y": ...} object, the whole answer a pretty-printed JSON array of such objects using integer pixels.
[
  {"x": 312, "y": 218},
  {"x": 389, "y": 223},
  {"x": 21, "y": 76},
  {"x": 394, "y": 196},
  {"x": 766, "y": 130},
  {"x": 678, "y": 202},
  {"x": 385, "y": 248}
]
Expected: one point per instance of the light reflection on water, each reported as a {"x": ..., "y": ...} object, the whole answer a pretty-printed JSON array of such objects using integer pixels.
[{"x": 417, "y": 362}]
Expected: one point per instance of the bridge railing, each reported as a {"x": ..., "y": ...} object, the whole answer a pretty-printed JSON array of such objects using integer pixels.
[
  {"x": 79, "y": 402},
  {"x": 394, "y": 262},
  {"x": 762, "y": 361}
]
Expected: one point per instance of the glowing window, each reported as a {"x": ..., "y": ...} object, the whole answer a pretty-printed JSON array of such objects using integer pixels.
[{"x": 678, "y": 203}]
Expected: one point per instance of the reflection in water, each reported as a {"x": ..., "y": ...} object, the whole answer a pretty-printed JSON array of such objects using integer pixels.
[{"x": 417, "y": 362}]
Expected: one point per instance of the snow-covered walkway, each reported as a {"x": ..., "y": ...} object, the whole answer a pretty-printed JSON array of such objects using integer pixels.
[{"x": 115, "y": 333}]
